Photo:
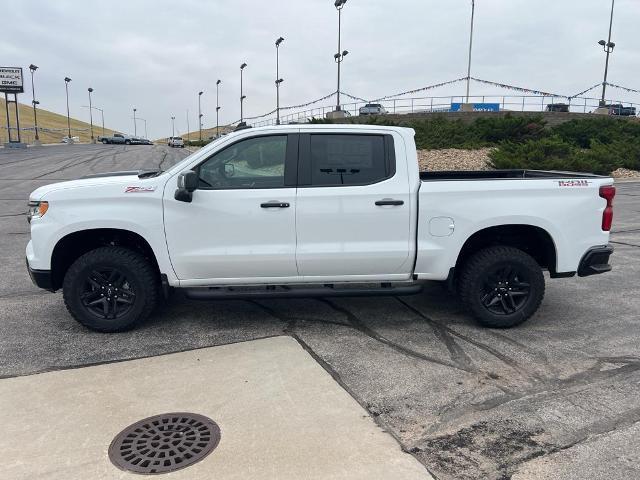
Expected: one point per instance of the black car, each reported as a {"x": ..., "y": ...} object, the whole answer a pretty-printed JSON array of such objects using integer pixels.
[
  {"x": 619, "y": 109},
  {"x": 558, "y": 107}
]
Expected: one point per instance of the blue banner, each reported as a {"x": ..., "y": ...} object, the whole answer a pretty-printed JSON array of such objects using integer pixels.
[{"x": 478, "y": 107}]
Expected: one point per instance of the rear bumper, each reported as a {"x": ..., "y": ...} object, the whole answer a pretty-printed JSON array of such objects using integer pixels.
[
  {"x": 595, "y": 261},
  {"x": 41, "y": 278}
]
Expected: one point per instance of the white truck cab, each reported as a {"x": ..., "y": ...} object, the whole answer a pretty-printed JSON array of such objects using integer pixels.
[{"x": 308, "y": 210}]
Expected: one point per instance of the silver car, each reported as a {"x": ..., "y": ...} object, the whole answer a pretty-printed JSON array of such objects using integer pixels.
[{"x": 373, "y": 109}]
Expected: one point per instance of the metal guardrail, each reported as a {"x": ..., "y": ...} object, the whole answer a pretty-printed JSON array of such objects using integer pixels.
[{"x": 403, "y": 106}]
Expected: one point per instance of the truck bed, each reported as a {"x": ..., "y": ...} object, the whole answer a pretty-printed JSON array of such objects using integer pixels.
[{"x": 501, "y": 175}]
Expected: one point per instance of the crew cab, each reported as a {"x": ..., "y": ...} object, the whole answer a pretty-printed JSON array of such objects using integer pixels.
[
  {"x": 177, "y": 142},
  {"x": 314, "y": 210},
  {"x": 117, "y": 138}
]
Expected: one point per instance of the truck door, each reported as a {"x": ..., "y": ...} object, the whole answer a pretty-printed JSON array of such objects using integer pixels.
[
  {"x": 353, "y": 209},
  {"x": 240, "y": 225}
]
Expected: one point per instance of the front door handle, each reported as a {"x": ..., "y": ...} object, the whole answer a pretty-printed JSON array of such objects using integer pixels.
[
  {"x": 274, "y": 205},
  {"x": 389, "y": 201}
]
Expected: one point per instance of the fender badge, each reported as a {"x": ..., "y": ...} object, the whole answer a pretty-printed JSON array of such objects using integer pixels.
[{"x": 139, "y": 189}]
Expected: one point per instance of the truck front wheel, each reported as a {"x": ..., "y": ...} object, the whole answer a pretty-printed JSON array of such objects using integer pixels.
[
  {"x": 110, "y": 289},
  {"x": 501, "y": 286}
]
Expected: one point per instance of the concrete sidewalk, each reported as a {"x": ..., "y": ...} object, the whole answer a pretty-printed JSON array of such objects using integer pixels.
[{"x": 281, "y": 417}]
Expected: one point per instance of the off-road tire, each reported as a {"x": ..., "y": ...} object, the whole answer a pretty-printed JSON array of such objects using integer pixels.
[
  {"x": 474, "y": 280},
  {"x": 140, "y": 275}
]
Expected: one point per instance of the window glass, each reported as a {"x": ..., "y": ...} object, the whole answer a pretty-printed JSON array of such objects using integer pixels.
[
  {"x": 347, "y": 159},
  {"x": 252, "y": 163}
]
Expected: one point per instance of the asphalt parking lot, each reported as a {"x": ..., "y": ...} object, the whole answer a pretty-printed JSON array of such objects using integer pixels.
[{"x": 554, "y": 398}]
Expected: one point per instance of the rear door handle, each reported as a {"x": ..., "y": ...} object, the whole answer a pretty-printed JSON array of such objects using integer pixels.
[
  {"x": 274, "y": 205},
  {"x": 389, "y": 201}
]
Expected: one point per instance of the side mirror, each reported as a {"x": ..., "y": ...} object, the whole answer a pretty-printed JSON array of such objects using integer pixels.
[
  {"x": 229, "y": 170},
  {"x": 187, "y": 184}
]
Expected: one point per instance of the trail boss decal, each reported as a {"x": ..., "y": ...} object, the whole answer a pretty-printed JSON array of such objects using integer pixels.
[
  {"x": 139, "y": 189},
  {"x": 573, "y": 183}
]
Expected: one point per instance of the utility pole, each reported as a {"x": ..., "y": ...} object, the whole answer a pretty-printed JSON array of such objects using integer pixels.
[
  {"x": 339, "y": 57},
  {"x": 473, "y": 10},
  {"x": 608, "y": 47},
  {"x": 278, "y": 79},
  {"x": 173, "y": 126},
  {"x": 242, "y": 97},
  {"x": 91, "y": 114},
  {"x": 200, "y": 116},
  {"x": 66, "y": 87},
  {"x": 34, "y": 102},
  {"x": 135, "y": 125},
  {"x": 218, "y": 107}
]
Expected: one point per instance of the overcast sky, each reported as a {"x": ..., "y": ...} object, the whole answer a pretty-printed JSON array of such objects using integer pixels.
[{"x": 156, "y": 55}]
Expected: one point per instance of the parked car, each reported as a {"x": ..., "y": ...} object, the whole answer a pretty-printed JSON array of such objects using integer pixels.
[
  {"x": 116, "y": 138},
  {"x": 327, "y": 210},
  {"x": 65, "y": 139},
  {"x": 373, "y": 109},
  {"x": 558, "y": 107},
  {"x": 175, "y": 142},
  {"x": 621, "y": 110}
]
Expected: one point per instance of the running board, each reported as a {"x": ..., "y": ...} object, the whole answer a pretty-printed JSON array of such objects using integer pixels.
[{"x": 222, "y": 293}]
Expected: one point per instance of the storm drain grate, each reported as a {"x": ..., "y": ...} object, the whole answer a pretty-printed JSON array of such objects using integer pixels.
[{"x": 164, "y": 443}]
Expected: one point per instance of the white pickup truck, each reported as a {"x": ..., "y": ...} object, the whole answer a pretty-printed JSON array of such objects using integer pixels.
[{"x": 314, "y": 210}]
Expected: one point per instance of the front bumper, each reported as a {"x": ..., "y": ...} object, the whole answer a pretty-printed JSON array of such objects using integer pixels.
[
  {"x": 41, "y": 278},
  {"x": 595, "y": 261}
]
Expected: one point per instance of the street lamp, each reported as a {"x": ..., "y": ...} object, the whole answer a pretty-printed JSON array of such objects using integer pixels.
[
  {"x": 145, "y": 126},
  {"x": 91, "y": 114},
  {"x": 608, "y": 47},
  {"x": 339, "y": 57},
  {"x": 34, "y": 102},
  {"x": 135, "y": 127},
  {"x": 101, "y": 113},
  {"x": 200, "y": 115},
  {"x": 66, "y": 87},
  {"x": 473, "y": 10},
  {"x": 218, "y": 107},
  {"x": 173, "y": 126},
  {"x": 278, "y": 79},
  {"x": 242, "y": 97}
]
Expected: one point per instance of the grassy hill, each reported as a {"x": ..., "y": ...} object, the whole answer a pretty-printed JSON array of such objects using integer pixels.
[{"x": 51, "y": 126}]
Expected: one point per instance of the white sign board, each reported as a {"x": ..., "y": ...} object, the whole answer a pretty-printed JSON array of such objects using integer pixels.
[{"x": 11, "y": 80}]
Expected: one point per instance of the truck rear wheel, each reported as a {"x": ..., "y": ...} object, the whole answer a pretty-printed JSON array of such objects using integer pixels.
[
  {"x": 110, "y": 289},
  {"x": 501, "y": 286}
]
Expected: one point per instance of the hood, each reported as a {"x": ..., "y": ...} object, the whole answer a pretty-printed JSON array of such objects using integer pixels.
[{"x": 125, "y": 178}]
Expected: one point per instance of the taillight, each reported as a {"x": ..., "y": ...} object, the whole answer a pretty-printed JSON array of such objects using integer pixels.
[{"x": 607, "y": 192}]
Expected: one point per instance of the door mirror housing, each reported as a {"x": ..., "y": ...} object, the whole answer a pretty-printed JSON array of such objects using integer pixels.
[
  {"x": 229, "y": 170},
  {"x": 187, "y": 184}
]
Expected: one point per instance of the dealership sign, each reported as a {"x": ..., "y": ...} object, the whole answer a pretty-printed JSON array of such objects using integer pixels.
[
  {"x": 478, "y": 107},
  {"x": 11, "y": 80}
]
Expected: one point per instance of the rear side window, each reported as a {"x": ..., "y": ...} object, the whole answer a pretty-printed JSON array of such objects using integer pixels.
[{"x": 336, "y": 160}]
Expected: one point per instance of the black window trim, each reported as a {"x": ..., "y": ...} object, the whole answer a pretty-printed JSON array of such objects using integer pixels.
[
  {"x": 290, "y": 162},
  {"x": 304, "y": 160}
]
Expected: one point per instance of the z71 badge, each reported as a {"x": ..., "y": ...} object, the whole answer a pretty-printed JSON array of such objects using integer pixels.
[
  {"x": 139, "y": 189},
  {"x": 573, "y": 183}
]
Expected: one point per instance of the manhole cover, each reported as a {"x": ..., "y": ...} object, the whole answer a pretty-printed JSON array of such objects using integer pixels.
[{"x": 164, "y": 443}]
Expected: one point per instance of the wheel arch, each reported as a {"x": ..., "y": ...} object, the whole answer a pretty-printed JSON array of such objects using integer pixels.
[
  {"x": 534, "y": 240},
  {"x": 73, "y": 245}
]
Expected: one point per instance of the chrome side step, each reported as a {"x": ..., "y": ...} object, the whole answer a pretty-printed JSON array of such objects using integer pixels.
[{"x": 286, "y": 291}]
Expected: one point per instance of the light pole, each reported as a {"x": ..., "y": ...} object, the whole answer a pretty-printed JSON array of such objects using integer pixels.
[
  {"x": 218, "y": 108},
  {"x": 608, "y": 47},
  {"x": 34, "y": 102},
  {"x": 339, "y": 57},
  {"x": 66, "y": 87},
  {"x": 278, "y": 79},
  {"x": 242, "y": 97},
  {"x": 473, "y": 11},
  {"x": 145, "y": 126},
  {"x": 173, "y": 126},
  {"x": 187, "y": 125},
  {"x": 135, "y": 127},
  {"x": 91, "y": 114},
  {"x": 101, "y": 113},
  {"x": 200, "y": 116}
]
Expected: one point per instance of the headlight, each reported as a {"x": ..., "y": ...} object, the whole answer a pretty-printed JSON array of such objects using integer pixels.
[{"x": 37, "y": 210}]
